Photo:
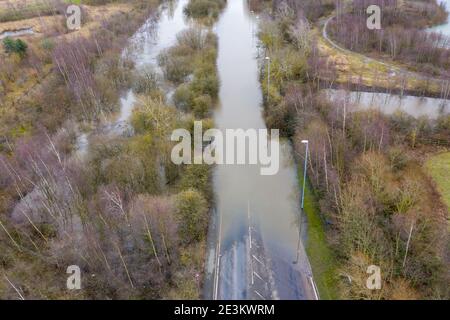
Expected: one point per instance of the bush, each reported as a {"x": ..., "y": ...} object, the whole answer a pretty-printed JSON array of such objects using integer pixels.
[
  {"x": 146, "y": 81},
  {"x": 205, "y": 84},
  {"x": 197, "y": 177},
  {"x": 183, "y": 97},
  {"x": 202, "y": 105},
  {"x": 192, "y": 211},
  {"x": 176, "y": 68},
  {"x": 15, "y": 46},
  {"x": 204, "y": 8}
]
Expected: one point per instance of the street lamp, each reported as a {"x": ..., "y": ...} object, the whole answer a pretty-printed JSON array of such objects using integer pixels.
[
  {"x": 268, "y": 77},
  {"x": 306, "y": 142}
]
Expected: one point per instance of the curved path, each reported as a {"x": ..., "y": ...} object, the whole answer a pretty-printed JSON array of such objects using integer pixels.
[{"x": 393, "y": 70}]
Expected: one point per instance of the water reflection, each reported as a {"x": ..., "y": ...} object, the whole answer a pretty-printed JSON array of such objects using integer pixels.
[
  {"x": 444, "y": 28},
  {"x": 389, "y": 104},
  {"x": 146, "y": 44},
  {"x": 241, "y": 191},
  {"x": 16, "y": 33}
]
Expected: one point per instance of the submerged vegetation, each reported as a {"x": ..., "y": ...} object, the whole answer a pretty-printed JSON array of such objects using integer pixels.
[
  {"x": 191, "y": 65},
  {"x": 205, "y": 10}
]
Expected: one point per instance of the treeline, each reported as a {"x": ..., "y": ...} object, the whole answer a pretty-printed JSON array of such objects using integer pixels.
[
  {"x": 401, "y": 36},
  {"x": 23, "y": 10},
  {"x": 376, "y": 202}
]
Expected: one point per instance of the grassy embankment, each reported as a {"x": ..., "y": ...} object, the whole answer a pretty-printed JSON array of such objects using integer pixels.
[
  {"x": 439, "y": 169},
  {"x": 321, "y": 257},
  {"x": 357, "y": 69}
]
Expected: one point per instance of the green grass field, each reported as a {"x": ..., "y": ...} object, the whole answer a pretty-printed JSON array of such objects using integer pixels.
[
  {"x": 439, "y": 168},
  {"x": 321, "y": 257}
]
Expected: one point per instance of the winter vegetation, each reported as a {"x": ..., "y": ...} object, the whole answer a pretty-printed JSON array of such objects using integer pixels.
[
  {"x": 124, "y": 213},
  {"x": 191, "y": 66},
  {"x": 370, "y": 193},
  {"x": 136, "y": 223},
  {"x": 402, "y": 38},
  {"x": 206, "y": 11}
]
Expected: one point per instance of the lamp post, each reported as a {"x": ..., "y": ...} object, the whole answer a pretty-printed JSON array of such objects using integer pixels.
[
  {"x": 306, "y": 142},
  {"x": 268, "y": 77}
]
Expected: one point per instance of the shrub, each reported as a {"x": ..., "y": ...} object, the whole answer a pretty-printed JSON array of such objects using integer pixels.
[
  {"x": 204, "y": 8},
  {"x": 146, "y": 81},
  {"x": 197, "y": 177},
  {"x": 192, "y": 211},
  {"x": 15, "y": 46},
  {"x": 183, "y": 97},
  {"x": 176, "y": 68},
  {"x": 205, "y": 84},
  {"x": 202, "y": 105}
]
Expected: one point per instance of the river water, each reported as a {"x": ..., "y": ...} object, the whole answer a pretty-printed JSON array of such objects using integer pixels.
[
  {"x": 444, "y": 28},
  {"x": 16, "y": 33},
  {"x": 389, "y": 104},
  {"x": 269, "y": 204}
]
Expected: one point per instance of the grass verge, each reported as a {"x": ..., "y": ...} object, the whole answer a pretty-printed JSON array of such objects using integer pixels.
[
  {"x": 321, "y": 257},
  {"x": 438, "y": 167}
]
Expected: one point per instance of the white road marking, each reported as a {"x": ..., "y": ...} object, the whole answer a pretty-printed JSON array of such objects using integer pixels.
[
  {"x": 256, "y": 274},
  {"x": 218, "y": 259},
  {"x": 257, "y": 260},
  {"x": 259, "y": 294},
  {"x": 314, "y": 287}
]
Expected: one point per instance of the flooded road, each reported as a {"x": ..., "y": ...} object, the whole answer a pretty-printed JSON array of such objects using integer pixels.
[
  {"x": 257, "y": 216},
  {"x": 389, "y": 104}
]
